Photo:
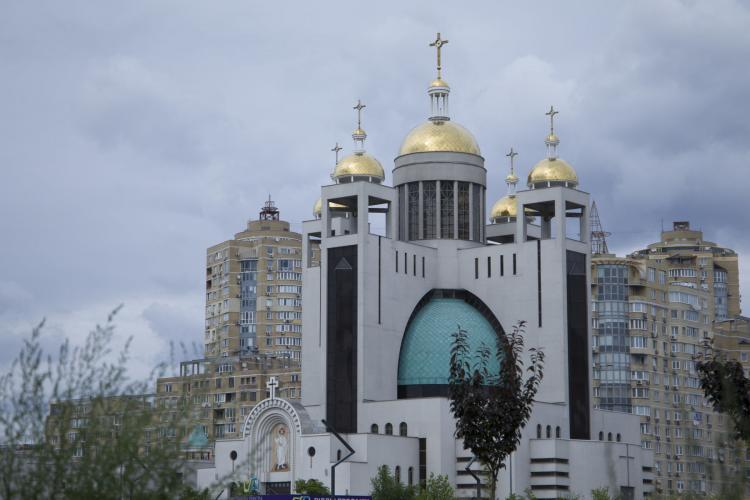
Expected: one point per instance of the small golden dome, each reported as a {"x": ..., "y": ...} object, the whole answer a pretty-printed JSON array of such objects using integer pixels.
[
  {"x": 359, "y": 164},
  {"x": 552, "y": 138},
  {"x": 318, "y": 207},
  {"x": 511, "y": 178},
  {"x": 504, "y": 207},
  {"x": 439, "y": 82},
  {"x": 552, "y": 170},
  {"x": 359, "y": 131},
  {"x": 439, "y": 136}
]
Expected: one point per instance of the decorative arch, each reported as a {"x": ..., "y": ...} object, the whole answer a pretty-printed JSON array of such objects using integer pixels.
[
  {"x": 441, "y": 390},
  {"x": 257, "y": 430}
]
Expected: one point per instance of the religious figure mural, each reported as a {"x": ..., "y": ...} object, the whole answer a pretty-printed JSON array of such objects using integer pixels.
[{"x": 280, "y": 448}]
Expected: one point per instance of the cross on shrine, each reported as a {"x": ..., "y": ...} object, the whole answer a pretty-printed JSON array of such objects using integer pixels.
[
  {"x": 511, "y": 155},
  {"x": 336, "y": 150},
  {"x": 551, "y": 113},
  {"x": 359, "y": 107},
  {"x": 438, "y": 44},
  {"x": 272, "y": 384}
]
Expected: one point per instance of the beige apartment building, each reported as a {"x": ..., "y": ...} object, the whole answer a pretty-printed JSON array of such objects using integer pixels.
[
  {"x": 656, "y": 313},
  {"x": 252, "y": 335}
]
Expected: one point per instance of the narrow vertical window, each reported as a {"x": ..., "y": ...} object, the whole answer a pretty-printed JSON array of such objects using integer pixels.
[
  {"x": 476, "y": 268},
  {"x": 414, "y": 265},
  {"x": 396, "y": 260},
  {"x": 413, "y": 210},
  {"x": 514, "y": 264},
  {"x": 429, "y": 209},
  {"x": 476, "y": 212},
  {"x": 502, "y": 265},
  {"x": 423, "y": 267},
  {"x": 446, "y": 210},
  {"x": 463, "y": 210},
  {"x": 406, "y": 263},
  {"x": 489, "y": 266}
]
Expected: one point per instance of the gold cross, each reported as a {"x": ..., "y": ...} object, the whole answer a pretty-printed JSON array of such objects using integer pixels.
[
  {"x": 438, "y": 44},
  {"x": 336, "y": 150},
  {"x": 511, "y": 155},
  {"x": 359, "y": 107},
  {"x": 551, "y": 113}
]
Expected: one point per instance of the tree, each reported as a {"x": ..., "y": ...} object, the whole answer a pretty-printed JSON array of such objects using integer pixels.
[
  {"x": 728, "y": 390},
  {"x": 75, "y": 426},
  {"x": 386, "y": 487},
  {"x": 437, "y": 488},
  {"x": 491, "y": 410},
  {"x": 311, "y": 487}
]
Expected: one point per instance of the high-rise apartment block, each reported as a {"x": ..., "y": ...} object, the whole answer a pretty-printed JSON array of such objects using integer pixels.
[
  {"x": 252, "y": 335},
  {"x": 656, "y": 314}
]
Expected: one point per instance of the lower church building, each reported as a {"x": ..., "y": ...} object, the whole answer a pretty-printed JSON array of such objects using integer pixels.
[{"x": 380, "y": 306}]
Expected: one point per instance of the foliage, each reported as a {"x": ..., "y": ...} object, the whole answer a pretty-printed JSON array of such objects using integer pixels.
[
  {"x": 311, "y": 487},
  {"x": 528, "y": 495},
  {"x": 491, "y": 411},
  {"x": 385, "y": 487},
  {"x": 727, "y": 388},
  {"x": 76, "y": 427},
  {"x": 600, "y": 494},
  {"x": 438, "y": 488}
]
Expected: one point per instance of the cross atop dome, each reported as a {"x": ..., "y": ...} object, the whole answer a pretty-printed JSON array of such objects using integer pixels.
[
  {"x": 438, "y": 44},
  {"x": 512, "y": 179},
  {"x": 552, "y": 141},
  {"x": 359, "y": 135},
  {"x": 439, "y": 88}
]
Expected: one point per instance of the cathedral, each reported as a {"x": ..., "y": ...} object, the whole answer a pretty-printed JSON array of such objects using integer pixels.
[{"x": 379, "y": 308}]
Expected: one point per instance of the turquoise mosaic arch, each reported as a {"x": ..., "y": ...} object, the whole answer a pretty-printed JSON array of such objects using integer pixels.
[{"x": 424, "y": 361}]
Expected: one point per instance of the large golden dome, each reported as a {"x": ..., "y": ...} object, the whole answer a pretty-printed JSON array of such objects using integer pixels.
[
  {"x": 439, "y": 136},
  {"x": 506, "y": 206},
  {"x": 359, "y": 164},
  {"x": 552, "y": 170}
]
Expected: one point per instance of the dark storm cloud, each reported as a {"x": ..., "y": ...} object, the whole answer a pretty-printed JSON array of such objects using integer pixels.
[{"x": 135, "y": 135}]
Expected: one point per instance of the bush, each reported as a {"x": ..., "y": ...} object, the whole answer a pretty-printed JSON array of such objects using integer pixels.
[
  {"x": 311, "y": 487},
  {"x": 438, "y": 488},
  {"x": 385, "y": 487}
]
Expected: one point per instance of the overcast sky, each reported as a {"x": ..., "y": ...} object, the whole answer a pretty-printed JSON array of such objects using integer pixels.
[{"x": 134, "y": 135}]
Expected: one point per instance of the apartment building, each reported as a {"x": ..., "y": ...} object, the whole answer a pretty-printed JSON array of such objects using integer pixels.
[
  {"x": 656, "y": 314},
  {"x": 252, "y": 334}
]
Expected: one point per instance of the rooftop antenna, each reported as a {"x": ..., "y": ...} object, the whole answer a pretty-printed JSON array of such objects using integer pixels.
[{"x": 598, "y": 234}]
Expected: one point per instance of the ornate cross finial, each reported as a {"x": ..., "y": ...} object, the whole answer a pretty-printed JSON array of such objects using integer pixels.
[
  {"x": 359, "y": 107},
  {"x": 336, "y": 150},
  {"x": 551, "y": 113},
  {"x": 438, "y": 44},
  {"x": 272, "y": 384},
  {"x": 512, "y": 154}
]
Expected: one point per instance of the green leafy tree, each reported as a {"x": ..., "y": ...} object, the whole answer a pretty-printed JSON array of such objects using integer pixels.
[
  {"x": 311, "y": 487},
  {"x": 728, "y": 390},
  {"x": 75, "y": 426},
  {"x": 491, "y": 410},
  {"x": 386, "y": 487},
  {"x": 437, "y": 488}
]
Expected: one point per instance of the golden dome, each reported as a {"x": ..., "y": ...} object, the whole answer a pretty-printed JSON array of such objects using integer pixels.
[
  {"x": 359, "y": 131},
  {"x": 504, "y": 207},
  {"x": 318, "y": 207},
  {"x": 552, "y": 170},
  {"x": 359, "y": 164},
  {"x": 552, "y": 138},
  {"x": 439, "y": 136},
  {"x": 439, "y": 82}
]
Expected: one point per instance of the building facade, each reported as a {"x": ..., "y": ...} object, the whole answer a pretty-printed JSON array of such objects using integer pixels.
[
  {"x": 380, "y": 308},
  {"x": 656, "y": 314},
  {"x": 253, "y": 331}
]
